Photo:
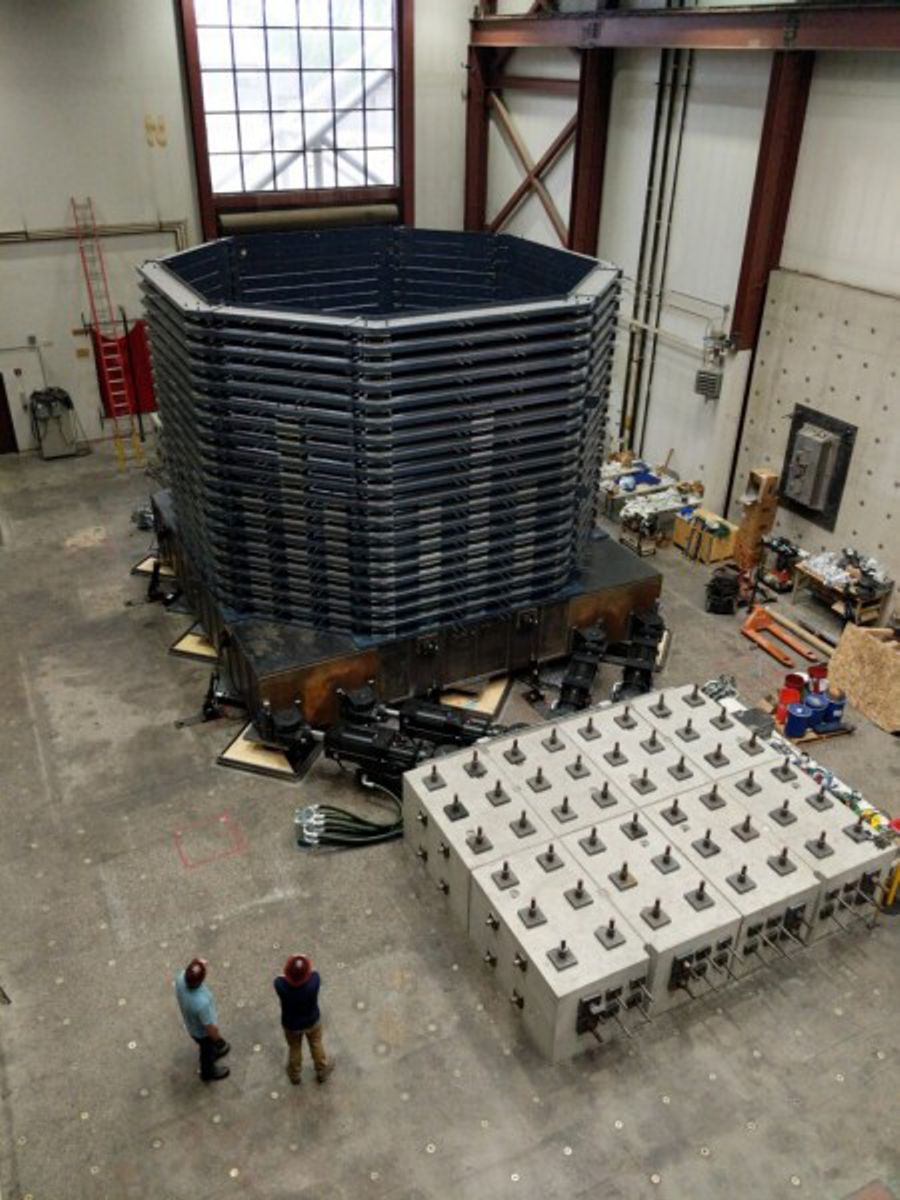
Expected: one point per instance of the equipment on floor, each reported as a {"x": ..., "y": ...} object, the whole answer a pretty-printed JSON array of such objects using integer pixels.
[
  {"x": 327, "y": 825},
  {"x": 617, "y": 863},
  {"x": 808, "y": 707},
  {"x": 589, "y": 648},
  {"x": 759, "y": 508},
  {"x": 285, "y": 729},
  {"x": 111, "y": 364},
  {"x": 367, "y": 737},
  {"x": 54, "y": 425},
  {"x": 444, "y": 724},
  {"x": 722, "y": 591},
  {"x": 703, "y": 536},
  {"x": 641, "y": 653},
  {"x": 778, "y": 576},
  {"x": 762, "y": 619},
  {"x": 379, "y": 753}
]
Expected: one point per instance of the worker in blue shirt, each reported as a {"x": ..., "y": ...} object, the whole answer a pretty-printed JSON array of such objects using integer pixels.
[
  {"x": 298, "y": 991},
  {"x": 198, "y": 1011}
]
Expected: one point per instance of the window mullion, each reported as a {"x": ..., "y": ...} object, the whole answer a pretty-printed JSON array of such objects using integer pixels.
[{"x": 237, "y": 99}]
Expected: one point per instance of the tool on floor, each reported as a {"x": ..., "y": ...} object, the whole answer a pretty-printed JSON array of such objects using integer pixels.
[
  {"x": 760, "y": 619},
  {"x": 805, "y": 633},
  {"x": 111, "y": 364}
]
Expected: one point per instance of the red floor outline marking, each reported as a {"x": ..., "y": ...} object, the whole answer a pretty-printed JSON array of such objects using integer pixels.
[{"x": 237, "y": 845}]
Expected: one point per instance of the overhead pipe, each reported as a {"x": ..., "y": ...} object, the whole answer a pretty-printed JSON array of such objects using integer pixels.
[{"x": 67, "y": 233}]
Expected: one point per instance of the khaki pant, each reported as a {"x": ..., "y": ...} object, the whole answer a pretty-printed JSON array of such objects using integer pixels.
[{"x": 294, "y": 1039}]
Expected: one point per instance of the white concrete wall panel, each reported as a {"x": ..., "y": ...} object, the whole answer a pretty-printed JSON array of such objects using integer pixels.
[
  {"x": 441, "y": 42},
  {"x": 47, "y": 284},
  {"x": 835, "y": 348},
  {"x": 77, "y": 82},
  {"x": 843, "y": 217},
  {"x": 715, "y": 183}
]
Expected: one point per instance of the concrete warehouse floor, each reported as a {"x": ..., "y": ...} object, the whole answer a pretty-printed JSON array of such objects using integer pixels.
[{"x": 784, "y": 1086}]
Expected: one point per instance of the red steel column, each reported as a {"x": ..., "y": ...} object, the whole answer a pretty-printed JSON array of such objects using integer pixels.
[
  {"x": 779, "y": 146},
  {"x": 475, "y": 209},
  {"x": 594, "y": 93}
]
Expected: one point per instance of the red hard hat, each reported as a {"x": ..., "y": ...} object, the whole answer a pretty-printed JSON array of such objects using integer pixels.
[
  {"x": 297, "y": 969},
  {"x": 195, "y": 972}
]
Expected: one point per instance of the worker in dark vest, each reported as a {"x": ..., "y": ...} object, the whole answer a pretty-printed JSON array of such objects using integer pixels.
[
  {"x": 298, "y": 991},
  {"x": 198, "y": 1011}
]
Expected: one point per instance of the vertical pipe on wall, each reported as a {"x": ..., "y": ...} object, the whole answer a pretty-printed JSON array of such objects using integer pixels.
[
  {"x": 624, "y": 425},
  {"x": 656, "y": 175},
  {"x": 658, "y": 286}
]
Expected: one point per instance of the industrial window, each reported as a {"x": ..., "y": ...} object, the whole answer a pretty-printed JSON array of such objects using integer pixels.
[{"x": 299, "y": 102}]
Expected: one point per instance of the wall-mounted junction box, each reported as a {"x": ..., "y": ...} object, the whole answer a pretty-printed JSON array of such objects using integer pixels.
[
  {"x": 815, "y": 465},
  {"x": 811, "y": 466}
]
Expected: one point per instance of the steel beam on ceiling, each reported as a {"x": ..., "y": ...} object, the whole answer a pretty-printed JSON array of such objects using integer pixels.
[{"x": 781, "y": 27}]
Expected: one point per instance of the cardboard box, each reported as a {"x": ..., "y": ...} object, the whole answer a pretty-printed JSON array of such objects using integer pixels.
[{"x": 762, "y": 489}]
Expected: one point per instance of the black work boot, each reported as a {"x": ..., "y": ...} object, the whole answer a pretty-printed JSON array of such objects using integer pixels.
[
  {"x": 222, "y": 1048},
  {"x": 216, "y": 1073}
]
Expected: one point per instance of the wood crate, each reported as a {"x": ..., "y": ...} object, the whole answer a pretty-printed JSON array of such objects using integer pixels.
[
  {"x": 866, "y": 665},
  {"x": 710, "y": 548}
]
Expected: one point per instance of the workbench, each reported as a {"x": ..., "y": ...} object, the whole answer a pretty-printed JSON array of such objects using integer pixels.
[{"x": 864, "y": 609}]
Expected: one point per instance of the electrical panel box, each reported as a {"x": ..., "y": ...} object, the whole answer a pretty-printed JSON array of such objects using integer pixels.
[
  {"x": 811, "y": 466},
  {"x": 815, "y": 466}
]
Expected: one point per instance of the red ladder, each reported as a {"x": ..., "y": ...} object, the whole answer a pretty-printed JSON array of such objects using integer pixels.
[{"x": 111, "y": 361}]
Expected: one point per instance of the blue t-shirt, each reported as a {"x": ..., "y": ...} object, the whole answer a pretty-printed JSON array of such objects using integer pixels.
[
  {"x": 198, "y": 1008},
  {"x": 299, "y": 1005}
]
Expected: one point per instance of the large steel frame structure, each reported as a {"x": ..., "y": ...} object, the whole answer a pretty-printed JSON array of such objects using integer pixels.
[{"x": 792, "y": 33}]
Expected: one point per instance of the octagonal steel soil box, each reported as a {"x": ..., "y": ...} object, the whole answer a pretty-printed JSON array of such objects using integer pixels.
[{"x": 378, "y": 431}]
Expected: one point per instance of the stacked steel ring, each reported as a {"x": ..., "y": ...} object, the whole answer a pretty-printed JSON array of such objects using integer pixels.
[{"x": 379, "y": 431}]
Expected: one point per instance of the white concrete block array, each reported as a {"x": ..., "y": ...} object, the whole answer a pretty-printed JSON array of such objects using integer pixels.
[{"x": 627, "y": 859}]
